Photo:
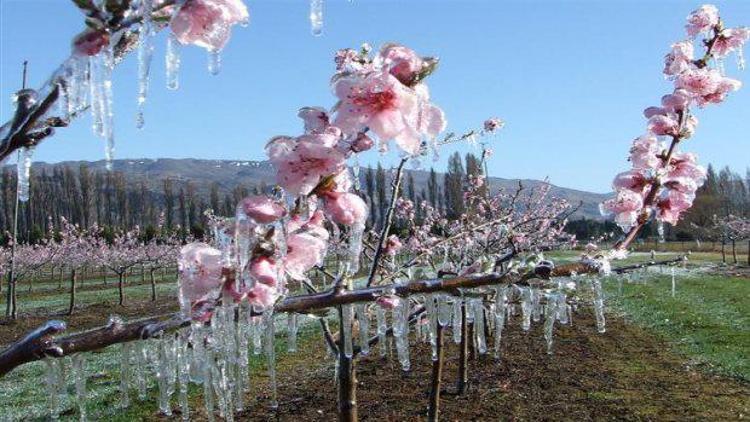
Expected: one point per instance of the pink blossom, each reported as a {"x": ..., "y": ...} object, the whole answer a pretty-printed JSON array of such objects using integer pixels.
[
  {"x": 262, "y": 209},
  {"x": 663, "y": 125},
  {"x": 685, "y": 164},
  {"x": 633, "y": 180},
  {"x": 625, "y": 206},
  {"x": 493, "y": 124},
  {"x": 392, "y": 245},
  {"x": 388, "y": 302},
  {"x": 302, "y": 162},
  {"x": 730, "y": 39},
  {"x": 345, "y": 208},
  {"x": 707, "y": 85},
  {"x": 90, "y": 42},
  {"x": 200, "y": 274},
  {"x": 676, "y": 101},
  {"x": 362, "y": 143},
  {"x": 644, "y": 152},
  {"x": 306, "y": 244},
  {"x": 265, "y": 270},
  {"x": 654, "y": 111},
  {"x": 389, "y": 109},
  {"x": 401, "y": 62},
  {"x": 316, "y": 119},
  {"x": 702, "y": 20},
  {"x": 679, "y": 59},
  {"x": 208, "y": 23},
  {"x": 262, "y": 296},
  {"x": 670, "y": 207}
]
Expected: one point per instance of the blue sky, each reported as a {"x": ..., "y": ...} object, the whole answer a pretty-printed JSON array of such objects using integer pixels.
[{"x": 570, "y": 78}]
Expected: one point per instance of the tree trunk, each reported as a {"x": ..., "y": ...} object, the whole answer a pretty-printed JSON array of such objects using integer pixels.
[
  {"x": 463, "y": 362},
  {"x": 723, "y": 254},
  {"x": 120, "y": 281},
  {"x": 734, "y": 251},
  {"x": 153, "y": 284},
  {"x": 104, "y": 275},
  {"x": 433, "y": 414},
  {"x": 73, "y": 277},
  {"x": 748, "y": 252},
  {"x": 143, "y": 274},
  {"x": 14, "y": 298},
  {"x": 347, "y": 385},
  {"x": 60, "y": 278}
]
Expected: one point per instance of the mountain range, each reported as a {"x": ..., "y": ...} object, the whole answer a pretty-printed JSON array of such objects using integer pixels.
[{"x": 230, "y": 173}]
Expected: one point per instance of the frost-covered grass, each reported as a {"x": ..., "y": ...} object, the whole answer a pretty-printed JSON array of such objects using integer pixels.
[
  {"x": 707, "y": 320},
  {"x": 24, "y": 396}
]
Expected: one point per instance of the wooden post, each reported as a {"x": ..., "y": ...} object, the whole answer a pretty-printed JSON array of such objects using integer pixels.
[
  {"x": 433, "y": 414},
  {"x": 347, "y": 379},
  {"x": 72, "y": 305},
  {"x": 120, "y": 281}
]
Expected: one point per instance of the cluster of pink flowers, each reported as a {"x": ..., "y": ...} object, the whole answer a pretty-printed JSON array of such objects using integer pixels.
[
  {"x": 386, "y": 95},
  {"x": 660, "y": 184},
  {"x": 208, "y": 23}
]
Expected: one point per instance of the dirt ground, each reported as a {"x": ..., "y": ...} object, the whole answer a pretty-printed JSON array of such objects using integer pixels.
[{"x": 625, "y": 374}]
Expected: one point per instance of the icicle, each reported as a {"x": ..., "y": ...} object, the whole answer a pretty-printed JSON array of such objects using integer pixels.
[
  {"x": 740, "y": 59},
  {"x": 95, "y": 94},
  {"x": 348, "y": 316},
  {"x": 562, "y": 308},
  {"x": 55, "y": 381},
  {"x": 242, "y": 381},
  {"x": 550, "y": 315},
  {"x": 183, "y": 376},
  {"x": 258, "y": 330},
  {"x": 456, "y": 323},
  {"x": 141, "y": 359},
  {"x": 674, "y": 285},
  {"x": 526, "y": 308},
  {"x": 214, "y": 62},
  {"x": 536, "y": 307},
  {"x": 355, "y": 247},
  {"x": 165, "y": 373},
  {"x": 660, "y": 231},
  {"x": 401, "y": 333},
  {"x": 145, "y": 54},
  {"x": 479, "y": 326},
  {"x": 431, "y": 312},
  {"x": 500, "y": 298},
  {"x": 355, "y": 173},
  {"x": 271, "y": 355},
  {"x": 596, "y": 285},
  {"x": 173, "y": 62},
  {"x": 316, "y": 17},
  {"x": 23, "y": 168},
  {"x": 291, "y": 330},
  {"x": 382, "y": 329},
  {"x": 125, "y": 374},
  {"x": 364, "y": 329},
  {"x": 208, "y": 394},
  {"x": 79, "y": 374},
  {"x": 444, "y": 310}
]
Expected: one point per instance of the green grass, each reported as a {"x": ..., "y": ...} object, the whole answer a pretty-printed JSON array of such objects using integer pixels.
[{"x": 708, "y": 319}]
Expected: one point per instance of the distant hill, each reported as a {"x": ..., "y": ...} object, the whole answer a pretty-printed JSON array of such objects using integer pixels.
[{"x": 228, "y": 174}]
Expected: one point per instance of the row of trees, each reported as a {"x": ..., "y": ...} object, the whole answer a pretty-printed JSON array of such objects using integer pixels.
[
  {"x": 74, "y": 250},
  {"x": 113, "y": 201}
]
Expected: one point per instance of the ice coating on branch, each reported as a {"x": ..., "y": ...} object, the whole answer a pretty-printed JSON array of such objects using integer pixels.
[
  {"x": 173, "y": 60},
  {"x": 145, "y": 55},
  {"x": 316, "y": 17},
  {"x": 23, "y": 172}
]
